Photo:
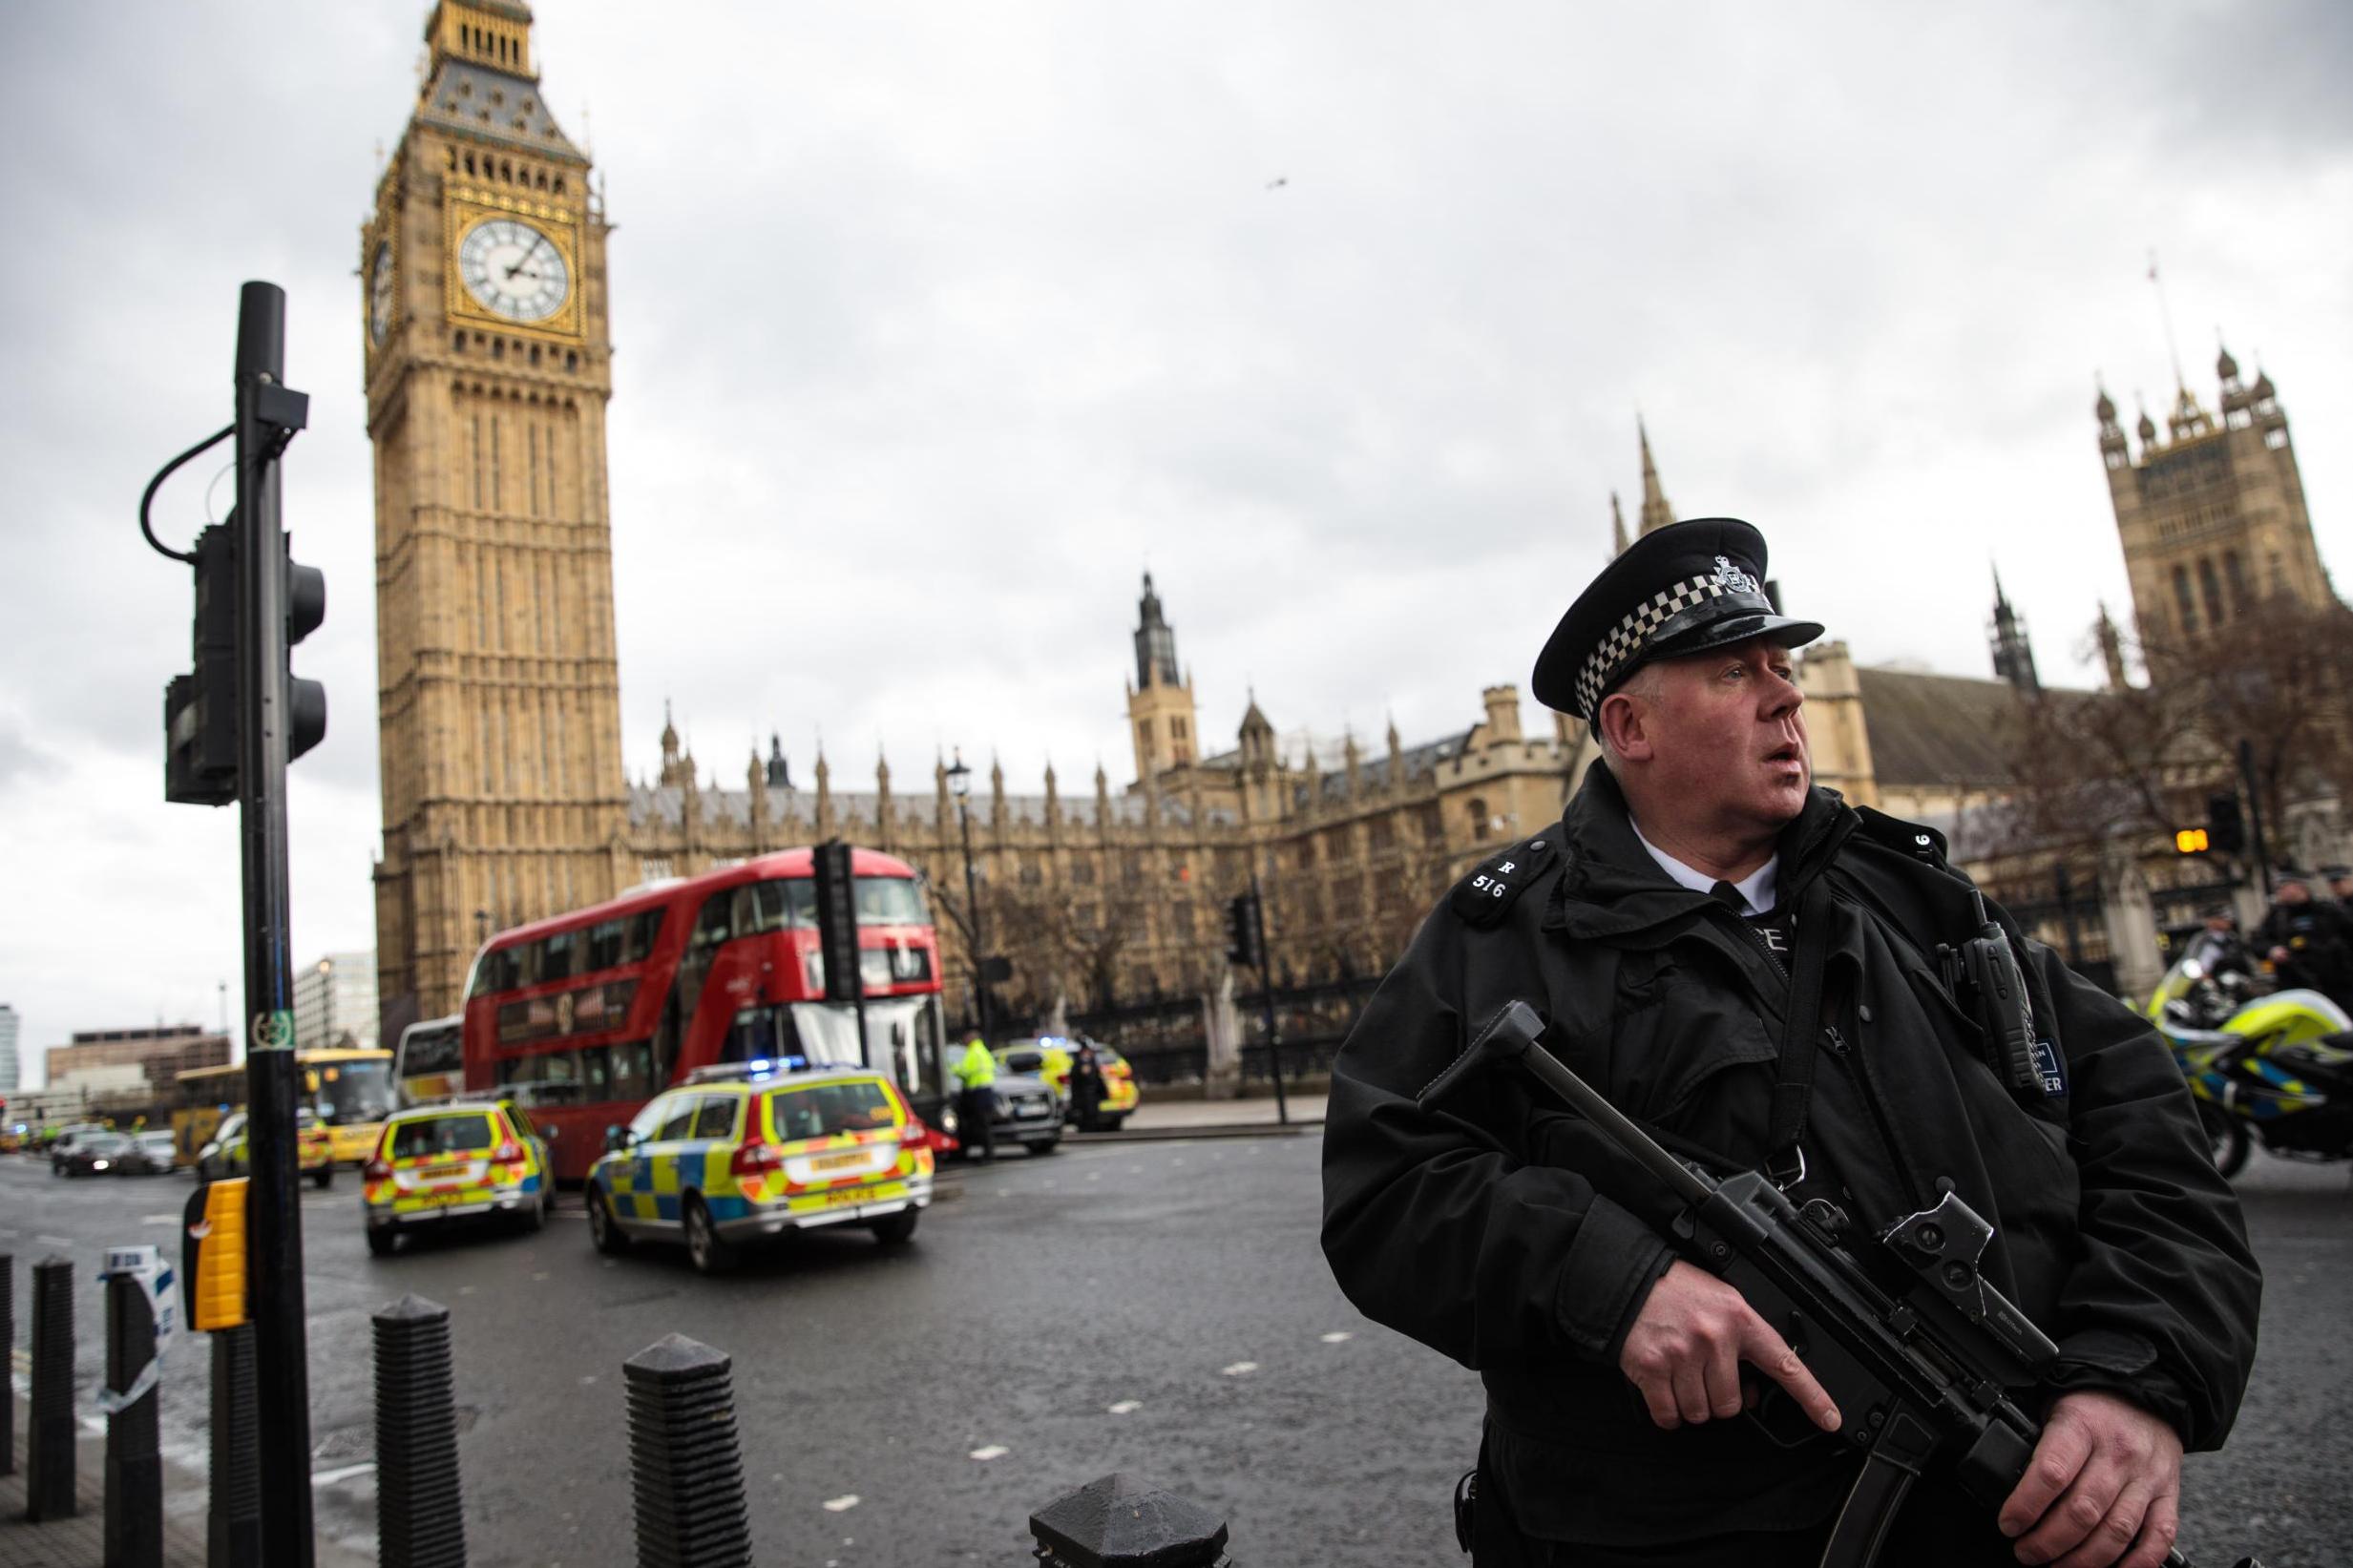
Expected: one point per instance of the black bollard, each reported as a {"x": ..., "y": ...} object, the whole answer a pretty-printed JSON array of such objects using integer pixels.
[
  {"x": 684, "y": 1464},
  {"x": 233, "y": 1527},
  {"x": 1121, "y": 1522},
  {"x": 8, "y": 1348},
  {"x": 417, "y": 1520},
  {"x": 49, "y": 1467},
  {"x": 134, "y": 1456}
]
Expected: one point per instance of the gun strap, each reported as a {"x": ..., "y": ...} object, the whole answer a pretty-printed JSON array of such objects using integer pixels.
[{"x": 1801, "y": 1037}]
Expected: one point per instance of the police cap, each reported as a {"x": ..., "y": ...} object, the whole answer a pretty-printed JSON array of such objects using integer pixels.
[{"x": 1682, "y": 589}]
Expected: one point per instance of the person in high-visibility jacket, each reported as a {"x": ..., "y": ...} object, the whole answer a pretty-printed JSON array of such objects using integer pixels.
[{"x": 976, "y": 1076}]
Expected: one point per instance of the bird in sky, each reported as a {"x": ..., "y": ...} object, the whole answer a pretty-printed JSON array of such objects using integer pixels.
[{"x": 1278, "y": 182}]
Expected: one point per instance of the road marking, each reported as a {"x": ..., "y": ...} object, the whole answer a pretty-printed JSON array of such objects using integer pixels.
[
  {"x": 592, "y": 1377},
  {"x": 842, "y": 1505},
  {"x": 1338, "y": 1336},
  {"x": 332, "y": 1477},
  {"x": 995, "y": 1451},
  {"x": 1126, "y": 1407},
  {"x": 159, "y": 1219},
  {"x": 1240, "y": 1368},
  {"x": 54, "y": 1241}
]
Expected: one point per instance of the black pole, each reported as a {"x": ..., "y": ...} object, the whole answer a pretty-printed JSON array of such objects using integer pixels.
[
  {"x": 49, "y": 1441},
  {"x": 2255, "y": 810},
  {"x": 972, "y": 919},
  {"x": 1266, "y": 992},
  {"x": 232, "y": 1526},
  {"x": 686, "y": 1466},
  {"x": 418, "y": 1521},
  {"x": 274, "y": 1267},
  {"x": 8, "y": 1346},
  {"x": 134, "y": 1456}
]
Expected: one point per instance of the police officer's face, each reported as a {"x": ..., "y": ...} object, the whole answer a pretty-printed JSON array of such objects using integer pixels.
[{"x": 1725, "y": 738}]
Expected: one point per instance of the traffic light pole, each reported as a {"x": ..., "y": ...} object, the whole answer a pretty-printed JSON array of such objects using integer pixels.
[
  {"x": 1266, "y": 992},
  {"x": 267, "y": 416}
]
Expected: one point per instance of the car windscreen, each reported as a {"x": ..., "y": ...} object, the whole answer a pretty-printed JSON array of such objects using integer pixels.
[
  {"x": 352, "y": 1094},
  {"x": 827, "y": 1109},
  {"x": 102, "y": 1143},
  {"x": 429, "y": 1136}
]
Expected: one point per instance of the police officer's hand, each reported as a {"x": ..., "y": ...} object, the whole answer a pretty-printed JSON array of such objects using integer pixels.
[
  {"x": 2104, "y": 1487},
  {"x": 1685, "y": 1350}
]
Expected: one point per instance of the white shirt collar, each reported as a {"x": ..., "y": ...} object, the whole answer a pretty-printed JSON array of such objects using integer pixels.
[{"x": 1756, "y": 888}]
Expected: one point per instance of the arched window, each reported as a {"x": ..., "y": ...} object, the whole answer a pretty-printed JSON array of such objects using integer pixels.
[{"x": 2211, "y": 587}]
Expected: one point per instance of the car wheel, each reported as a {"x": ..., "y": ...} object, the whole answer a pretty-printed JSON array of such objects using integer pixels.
[
  {"x": 1042, "y": 1145},
  {"x": 896, "y": 1228},
  {"x": 322, "y": 1176},
  {"x": 711, "y": 1252},
  {"x": 382, "y": 1241},
  {"x": 603, "y": 1228},
  {"x": 536, "y": 1215}
]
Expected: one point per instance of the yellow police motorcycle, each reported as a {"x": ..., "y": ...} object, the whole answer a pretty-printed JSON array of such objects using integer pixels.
[{"x": 2273, "y": 1069}]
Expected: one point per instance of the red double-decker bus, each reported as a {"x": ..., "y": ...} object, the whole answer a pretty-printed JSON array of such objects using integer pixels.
[{"x": 585, "y": 1016}]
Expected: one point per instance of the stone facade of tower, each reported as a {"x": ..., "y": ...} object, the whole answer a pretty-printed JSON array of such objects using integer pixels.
[
  {"x": 1162, "y": 716},
  {"x": 483, "y": 309},
  {"x": 2212, "y": 518}
]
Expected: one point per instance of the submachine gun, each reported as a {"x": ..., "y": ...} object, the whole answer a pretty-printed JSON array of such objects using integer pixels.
[{"x": 1915, "y": 1348}]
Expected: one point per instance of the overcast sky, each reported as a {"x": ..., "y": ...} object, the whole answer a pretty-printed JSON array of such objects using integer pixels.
[{"x": 937, "y": 324}]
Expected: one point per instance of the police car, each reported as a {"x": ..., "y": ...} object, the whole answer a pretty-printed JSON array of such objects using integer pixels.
[
  {"x": 1048, "y": 1057},
  {"x": 743, "y": 1153},
  {"x": 226, "y": 1155},
  {"x": 451, "y": 1163}
]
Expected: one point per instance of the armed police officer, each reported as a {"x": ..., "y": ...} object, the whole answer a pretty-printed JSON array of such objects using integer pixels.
[
  {"x": 2308, "y": 940},
  {"x": 1657, "y": 929}
]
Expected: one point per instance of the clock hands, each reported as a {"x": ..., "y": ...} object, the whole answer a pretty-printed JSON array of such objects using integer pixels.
[{"x": 537, "y": 240}]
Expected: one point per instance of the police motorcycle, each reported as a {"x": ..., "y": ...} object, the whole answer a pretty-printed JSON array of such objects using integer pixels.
[{"x": 2274, "y": 1069}]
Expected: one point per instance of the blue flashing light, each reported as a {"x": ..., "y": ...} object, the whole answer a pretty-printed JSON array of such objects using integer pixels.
[{"x": 762, "y": 1067}]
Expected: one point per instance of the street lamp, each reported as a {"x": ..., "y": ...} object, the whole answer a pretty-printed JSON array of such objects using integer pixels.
[{"x": 960, "y": 785}]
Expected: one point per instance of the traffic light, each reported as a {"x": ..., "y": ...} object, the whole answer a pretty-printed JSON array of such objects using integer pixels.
[
  {"x": 199, "y": 709},
  {"x": 2189, "y": 841},
  {"x": 2225, "y": 829},
  {"x": 1246, "y": 946},
  {"x": 306, "y": 610}
]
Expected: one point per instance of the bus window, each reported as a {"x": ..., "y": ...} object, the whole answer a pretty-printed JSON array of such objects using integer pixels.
[
  {"x": 353, "y": 1093},
  {"x": 633, "y": 1070},
  {"x": 558, "y": 958},
  {"x": 713, "y": 924},
  {"x": 890, "y": 901},
  {"x": 761, "y": 1034},
  {"x": 605, "y": 945},
  {"x": 597, "y": 1073},
  {"x": 642, "y": 930}
]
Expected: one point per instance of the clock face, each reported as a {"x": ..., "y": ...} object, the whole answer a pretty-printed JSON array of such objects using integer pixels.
[
  {"x": 514, "y": 269},
  {"x": 380, "y": 295}
]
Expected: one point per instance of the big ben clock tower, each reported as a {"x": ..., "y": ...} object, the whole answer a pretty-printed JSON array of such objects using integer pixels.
[{"x": 489, "y": 365}]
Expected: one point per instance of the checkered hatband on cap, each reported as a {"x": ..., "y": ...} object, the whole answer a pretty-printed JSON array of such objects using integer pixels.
[{"x": 1627, "y": 639}]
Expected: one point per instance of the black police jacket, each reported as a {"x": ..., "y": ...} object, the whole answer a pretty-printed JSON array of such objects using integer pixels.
[
  {"x": 2318, "y": 937},
  {"x": 1502, "y": 1231}
]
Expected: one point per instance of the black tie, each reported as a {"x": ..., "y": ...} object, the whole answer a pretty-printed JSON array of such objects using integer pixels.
[{"x": 1728, "y": 895}]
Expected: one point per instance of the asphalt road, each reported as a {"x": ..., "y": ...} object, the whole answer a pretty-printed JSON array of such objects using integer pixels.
[{"x": 1155, "y": 1307}]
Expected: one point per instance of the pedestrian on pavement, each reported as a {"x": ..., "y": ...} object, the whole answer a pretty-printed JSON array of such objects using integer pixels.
[
  {"x": 1085, "y": 1086},
  {"x": 2308, "y": 940},
  {"x": 2339, "y": 884},
  {"x": 975, "y": 1100},
  {"x": 1660, "y": 929}
]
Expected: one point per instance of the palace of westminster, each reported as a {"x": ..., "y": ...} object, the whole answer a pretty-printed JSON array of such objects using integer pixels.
[{"x": 489, "y": 364}]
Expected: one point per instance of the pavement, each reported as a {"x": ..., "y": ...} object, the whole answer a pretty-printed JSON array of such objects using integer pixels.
[{"x": 1254, "y": 1116}]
